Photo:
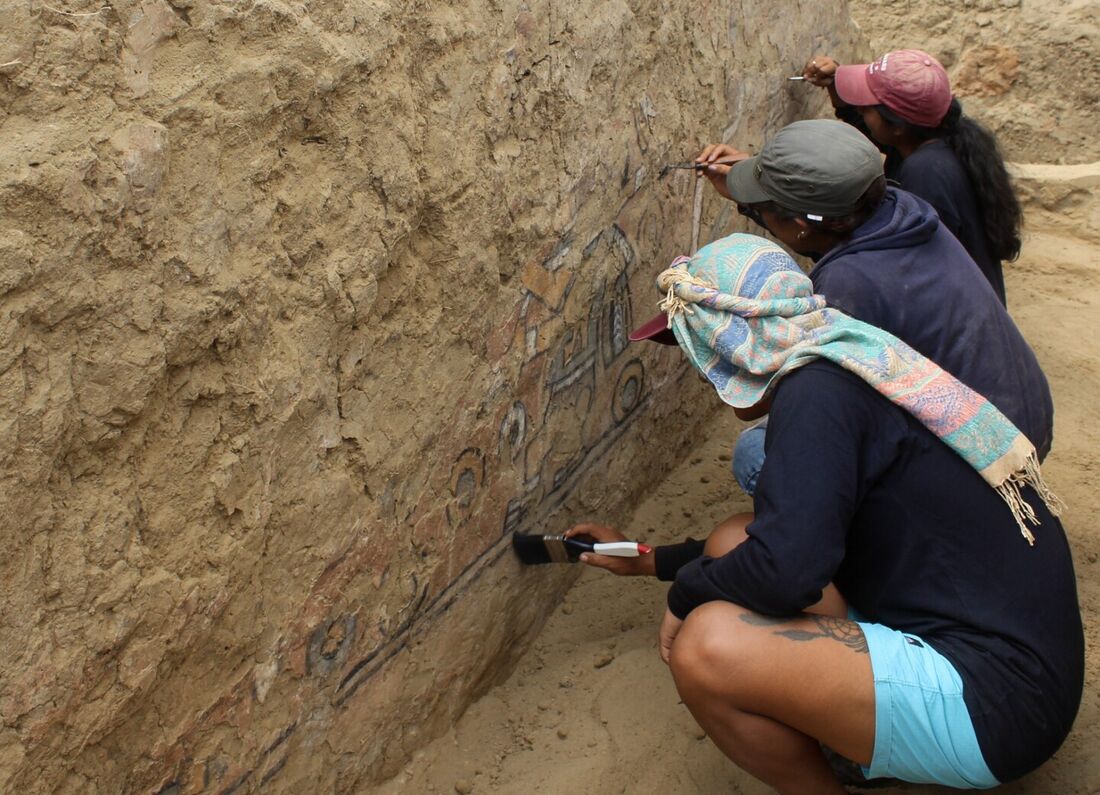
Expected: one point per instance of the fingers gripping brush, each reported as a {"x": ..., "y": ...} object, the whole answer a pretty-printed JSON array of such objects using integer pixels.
[{"x": 533, "y": 549}]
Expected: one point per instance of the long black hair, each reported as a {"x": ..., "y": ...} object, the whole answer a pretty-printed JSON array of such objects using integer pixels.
[{"x": 977, "y": 150}]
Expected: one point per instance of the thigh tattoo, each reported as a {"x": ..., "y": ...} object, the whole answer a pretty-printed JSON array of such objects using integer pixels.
[{"x": 839, "y": 629}]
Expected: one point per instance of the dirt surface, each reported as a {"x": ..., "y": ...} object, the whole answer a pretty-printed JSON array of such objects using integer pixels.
[
  {"x": 304, "y": 307},
  {"x": 592, "y": 709}
]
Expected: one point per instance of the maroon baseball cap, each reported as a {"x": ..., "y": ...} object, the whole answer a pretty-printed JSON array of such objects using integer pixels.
[
  {"x": 911, "y": 83},
  {"x": 656, "y": 330}
]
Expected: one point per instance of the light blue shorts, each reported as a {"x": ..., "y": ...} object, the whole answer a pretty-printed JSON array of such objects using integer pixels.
[{"x": 923, "y": 731}]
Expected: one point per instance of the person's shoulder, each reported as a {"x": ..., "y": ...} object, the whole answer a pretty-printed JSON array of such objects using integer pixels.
[
  {"x": 821, "y": 382},
  {"x": 934, "y": 167},
  {"x": 823, "y": 399},
  {"x": 855, "y": 285},
  {"x": 935, "y": 151}
]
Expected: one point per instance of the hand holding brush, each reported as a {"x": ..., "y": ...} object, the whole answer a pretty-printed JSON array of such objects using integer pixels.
[
  {"x": 715, "y": 162},
  {"x": 600, "y": 535},
  {"x": 594, "y": 544}
]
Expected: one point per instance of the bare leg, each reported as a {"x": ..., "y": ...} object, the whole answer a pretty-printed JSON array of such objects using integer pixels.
[
  {"x": 767, "y": 690},
  {"x": 731, "y": 532}
]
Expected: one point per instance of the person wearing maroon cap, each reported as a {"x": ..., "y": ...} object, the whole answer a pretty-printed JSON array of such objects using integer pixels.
[{"x": 903, "y": 102}]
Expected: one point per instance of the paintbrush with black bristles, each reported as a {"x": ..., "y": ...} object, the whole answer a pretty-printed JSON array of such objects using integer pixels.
[{"x": 534, "y": 549}]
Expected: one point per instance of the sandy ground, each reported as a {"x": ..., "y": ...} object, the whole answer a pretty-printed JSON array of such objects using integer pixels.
[{"x": 592, "y": 709}]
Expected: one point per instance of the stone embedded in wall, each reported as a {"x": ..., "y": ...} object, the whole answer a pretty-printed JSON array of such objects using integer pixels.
[
  {"x": 144, "y": 155},
  {"x": 987, "y": 71},
  {"x": 149, "y": 22}
]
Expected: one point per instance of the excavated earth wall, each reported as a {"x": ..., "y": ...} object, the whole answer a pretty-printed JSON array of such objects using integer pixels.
[
  {"x": 1027, "y": 69},
  {"x": 305, "y": 307}
]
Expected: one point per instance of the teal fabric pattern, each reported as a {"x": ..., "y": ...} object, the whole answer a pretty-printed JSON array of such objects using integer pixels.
[{"x": 746, "y": 315}]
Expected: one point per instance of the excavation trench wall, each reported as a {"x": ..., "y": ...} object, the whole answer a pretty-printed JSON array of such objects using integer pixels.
[
  {"x": 305, "y": 307},
  {"x": 1027, "y": 69}
]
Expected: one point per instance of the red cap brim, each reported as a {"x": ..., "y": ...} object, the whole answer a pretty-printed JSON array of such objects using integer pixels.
[
  {"x": 655, "y": 330},
  {"x": 852, "y": 86}
]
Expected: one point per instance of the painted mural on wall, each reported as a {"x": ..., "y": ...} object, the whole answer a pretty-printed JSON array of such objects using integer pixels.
[
  {"x": 304, "y": 323},
  {"x": 506, "y": 462},
  {"x": 579, "y": 387},
  {"x": 578, "y": 390}
]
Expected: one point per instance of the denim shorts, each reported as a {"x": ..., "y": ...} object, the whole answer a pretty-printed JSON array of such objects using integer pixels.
[{"x": 923, "y": 731}]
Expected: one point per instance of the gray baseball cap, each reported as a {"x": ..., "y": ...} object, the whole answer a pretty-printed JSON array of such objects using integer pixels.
[{"x": 820, "y": 167}]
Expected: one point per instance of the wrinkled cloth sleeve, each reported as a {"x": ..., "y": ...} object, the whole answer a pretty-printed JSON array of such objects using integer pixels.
[
  {"x": 670, "y": 558},
  {"x": 809, "y": 490}
]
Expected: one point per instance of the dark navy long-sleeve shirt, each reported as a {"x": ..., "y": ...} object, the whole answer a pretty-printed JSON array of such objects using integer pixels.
[
  {"x": 934, "y": 173},
  {"x": 857, "y": 492}
]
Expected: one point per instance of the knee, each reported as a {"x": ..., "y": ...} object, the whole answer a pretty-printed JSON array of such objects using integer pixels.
[
  {"x": 727, "y": 535},
  {"x": 707, "y": 648}
]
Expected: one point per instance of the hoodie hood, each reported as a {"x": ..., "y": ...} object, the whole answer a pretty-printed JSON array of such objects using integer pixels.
[{"x": 901, "y": 221}]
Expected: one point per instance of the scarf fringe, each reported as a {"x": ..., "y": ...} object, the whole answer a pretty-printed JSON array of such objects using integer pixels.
[
  {"x": 672, "y": 304},
  {"x": 1035, "y": 478},
  {"x": 1022, "y": 512}
]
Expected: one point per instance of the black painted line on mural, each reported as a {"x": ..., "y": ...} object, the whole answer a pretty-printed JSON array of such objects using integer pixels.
[
  {"x": 552, "y": 501},
  {"x": 274, "y": 770},
  {"x": 282, "y": 738},
  {"x": 557, "y": 495},
  {"x": 383, "y": 653},
  {"x": 236, "y": 785},
  {"x": 402, "y": 628}
]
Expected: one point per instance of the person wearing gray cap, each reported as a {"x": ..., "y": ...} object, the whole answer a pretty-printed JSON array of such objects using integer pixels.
[{"x": 882, "y": 256}]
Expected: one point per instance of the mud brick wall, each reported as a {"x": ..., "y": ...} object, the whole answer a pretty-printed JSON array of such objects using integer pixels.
[{"x": 304, "y": 306}]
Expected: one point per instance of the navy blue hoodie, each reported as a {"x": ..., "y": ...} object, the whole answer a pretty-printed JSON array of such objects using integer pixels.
[{"x": 904, "y": 272}]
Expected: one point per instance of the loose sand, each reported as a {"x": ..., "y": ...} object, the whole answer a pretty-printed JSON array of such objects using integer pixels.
[{"x": 592, "y": 709}]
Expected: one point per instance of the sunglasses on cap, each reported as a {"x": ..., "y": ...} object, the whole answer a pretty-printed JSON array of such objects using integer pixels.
[{"x": 754, "y": 215}]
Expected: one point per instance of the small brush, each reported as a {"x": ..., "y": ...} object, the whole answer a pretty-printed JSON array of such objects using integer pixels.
[
  {"x": 702, "y": 165},
  {"x": 534, "y": 549}
]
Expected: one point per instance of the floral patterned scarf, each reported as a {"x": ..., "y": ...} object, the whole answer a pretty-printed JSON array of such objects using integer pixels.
[{"x": 745, "y": 315}]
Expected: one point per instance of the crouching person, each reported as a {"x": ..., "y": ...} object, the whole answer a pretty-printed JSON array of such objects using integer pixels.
[{"x": 904, "y": 592}]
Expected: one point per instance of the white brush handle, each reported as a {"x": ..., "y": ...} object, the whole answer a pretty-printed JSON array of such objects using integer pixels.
[{"x": 617, "y": 549}]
